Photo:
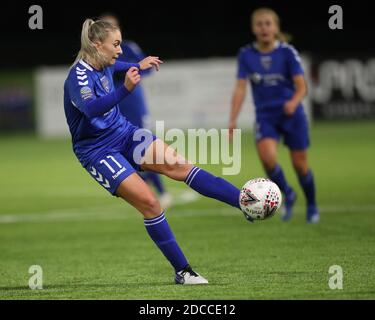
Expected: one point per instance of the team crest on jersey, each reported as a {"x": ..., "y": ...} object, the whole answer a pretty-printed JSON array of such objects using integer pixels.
[
  {"x": 266, "y": 62},
  {"x": 105, "y": 83}
]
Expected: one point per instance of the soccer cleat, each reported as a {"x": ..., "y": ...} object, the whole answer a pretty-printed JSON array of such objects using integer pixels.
[
  {"x": 165, "y": 200},
  {"x": 188, "y": 276},
  {"x": 313, "y": 215},
  {"x": 290, "y": 199}
]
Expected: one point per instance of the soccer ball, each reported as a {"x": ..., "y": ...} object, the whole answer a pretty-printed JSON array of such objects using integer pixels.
[{"x": 260, "y": 198}]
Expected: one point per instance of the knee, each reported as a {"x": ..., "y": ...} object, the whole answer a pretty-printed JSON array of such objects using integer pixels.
[
  {"x": 150, "y": 207},
  {"x": 178, "y": 171}
]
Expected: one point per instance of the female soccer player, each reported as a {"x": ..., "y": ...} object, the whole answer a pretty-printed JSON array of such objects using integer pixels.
[
  {"x": 134, "y": 106},
  {"x": 111, "y": 149},
  {"x": 276, "y": 76}
]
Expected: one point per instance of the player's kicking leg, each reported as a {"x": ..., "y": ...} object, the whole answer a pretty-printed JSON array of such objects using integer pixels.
[{"x": 176, "y": 167}]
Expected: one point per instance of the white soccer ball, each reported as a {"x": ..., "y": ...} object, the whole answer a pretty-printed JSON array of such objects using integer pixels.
[{"x": 260, "y": 198}]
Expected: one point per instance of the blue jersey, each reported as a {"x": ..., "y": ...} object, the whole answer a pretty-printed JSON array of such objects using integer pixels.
[
  {"x": 134, "y": 106},
  {"x": 270, "y": 74},
  {"x": 91, "y": 108}
]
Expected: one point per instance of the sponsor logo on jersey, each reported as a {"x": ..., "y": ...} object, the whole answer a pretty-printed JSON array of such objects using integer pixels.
[
  {"x": 256, "y": 77},
  {"x": 273, "y": 79},
  {"x": 268, "y": 80},
  {"x": 86, "y": 93}
]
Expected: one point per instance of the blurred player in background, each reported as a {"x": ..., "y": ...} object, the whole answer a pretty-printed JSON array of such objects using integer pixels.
[
  {"x": 277, "y": 80},
  {"x": 134, "y": 107},
  {"x": 112, "y": 150}
]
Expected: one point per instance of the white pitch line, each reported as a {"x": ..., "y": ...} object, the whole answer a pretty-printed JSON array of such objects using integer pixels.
[
  {"x": 124, "y": 211},
  {"x": 125, "y": 214},
  {"x": 119, "y": 211}
]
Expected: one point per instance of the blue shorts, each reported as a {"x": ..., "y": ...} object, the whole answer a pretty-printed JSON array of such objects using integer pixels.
[
  {"x": 118, "y": 161},
  {"x": 293, "y": 129}
]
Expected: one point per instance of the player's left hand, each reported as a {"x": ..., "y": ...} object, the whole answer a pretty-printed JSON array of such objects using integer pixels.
[
  {"x": 290, "y": 107},
  {"x": 150, "y": 62}
]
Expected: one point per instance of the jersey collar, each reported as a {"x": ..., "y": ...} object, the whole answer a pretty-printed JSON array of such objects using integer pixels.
[
  {"x": 86, "y": 65},
  {"x": 276, "y": 45}
]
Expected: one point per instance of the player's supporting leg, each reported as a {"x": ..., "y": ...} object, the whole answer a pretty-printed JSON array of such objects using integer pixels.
[
  {"x": 136, "y": 192},
  {"x": 177, "y": 168},
  {"x": 267, "y": 151},
  {"x": 165, "y": 197},
  {"x": 306, "y": 180}
]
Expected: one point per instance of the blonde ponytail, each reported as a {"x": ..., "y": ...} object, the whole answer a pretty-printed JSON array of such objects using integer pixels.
[
  {"x": 93, "y": 31},
  {"x": 284, "y": 37}
]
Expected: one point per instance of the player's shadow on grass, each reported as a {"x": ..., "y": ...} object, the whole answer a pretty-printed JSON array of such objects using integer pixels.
[{"x": 94, "y": 287}]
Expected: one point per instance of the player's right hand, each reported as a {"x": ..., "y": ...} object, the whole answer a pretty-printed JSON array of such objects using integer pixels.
[{"x": 132, "y": 78}]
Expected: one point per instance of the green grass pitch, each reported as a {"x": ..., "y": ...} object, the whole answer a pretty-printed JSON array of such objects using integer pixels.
[{"x": 94, "y": 246}]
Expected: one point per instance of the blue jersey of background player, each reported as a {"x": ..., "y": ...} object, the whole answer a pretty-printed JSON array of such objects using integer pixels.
[
  {"x": 134, "y": 106},
  {"x": 274, "y": 71}
]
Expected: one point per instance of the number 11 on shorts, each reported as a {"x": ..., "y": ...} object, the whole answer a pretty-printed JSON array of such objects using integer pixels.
[{"x": 108, "y": 165}]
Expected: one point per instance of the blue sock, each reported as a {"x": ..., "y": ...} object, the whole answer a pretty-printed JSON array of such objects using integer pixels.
[
  {"x": 308, "y": 186},
  {"x": 277, "y": 176},
  {"x": 160, "y": 232},
  {"x": 214, "y": 187},
  {"x": 156, "y": 181}
]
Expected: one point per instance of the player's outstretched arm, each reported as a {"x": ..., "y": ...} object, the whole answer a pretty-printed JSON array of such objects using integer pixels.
[
  {"x": 121, "y": 66},
  {"x": 94, "y": 107},
  {"x": 150, "y": 62}
]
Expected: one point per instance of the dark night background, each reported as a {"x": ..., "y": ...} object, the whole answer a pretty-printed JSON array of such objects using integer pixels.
[{"x": 175, "y": 30}]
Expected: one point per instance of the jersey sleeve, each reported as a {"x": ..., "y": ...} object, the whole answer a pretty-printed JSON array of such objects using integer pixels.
[
  {"x": 81, "y": 90},
  {"x": 242, "y": 68},
  {"x": 294, "y": 61},
  {"x": 82, "y": 95},
  {"x": 121, "y": 66}
]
